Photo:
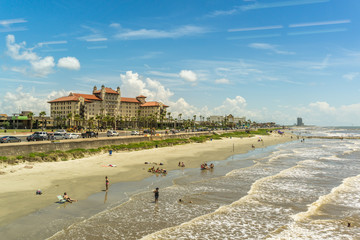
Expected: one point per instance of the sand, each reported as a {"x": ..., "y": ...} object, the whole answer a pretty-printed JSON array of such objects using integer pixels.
[{"x": 82, "y": 177}]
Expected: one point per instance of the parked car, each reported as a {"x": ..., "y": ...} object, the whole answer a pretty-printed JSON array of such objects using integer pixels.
[
  {"x": 43, "y": 134},
  {"x": 61, "y": 131},
  {"x": 36, "y": 137},
  {"x": 71, "y": 136},
  {"x": 89, "y": 134},
  {"x": 58, "y": 136},
  {"x": 9, "y": 139},
  {"x": 134, "y": 133},
  {"x": 112, "y": 133}
]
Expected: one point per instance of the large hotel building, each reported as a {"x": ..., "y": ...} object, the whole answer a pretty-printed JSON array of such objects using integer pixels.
[{"x": 104, "y": 101}]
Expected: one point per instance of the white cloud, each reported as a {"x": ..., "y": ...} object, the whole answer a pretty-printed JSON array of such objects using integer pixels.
[
  {"x": 222, "y": 13},
  {"x": 97, "y": 47},
  {"x": 222, "y": 81},
  {"x": 320, "y": 113},
  {"x": 43, "y": 67},
  {"x": 319, "y": 23},
  {"x": 51, "y": 43},
  {"x": 95, "y": 35},
  {"x": 96, "y": 39},
  {"x": 69, "y": 62},
  {"x": 126, "y": 34},
  {"x": 40, "y": 66},
  {"x": 322, "y": 107},
  {"x": 115, "y": 25},
  {"x": 8, "y": 22},
  {"x": 324, "y": 64},
  {"x": 133, "y": 85},
  {"x": 323, "y": 114},
  {"x": 21, "y": 100},
  {"x": 272, "y": 48},
  {"x": 164, "y": 74},
  {"x": 351, "y": 76},
  {"x": 255, "y": 28},
  {"x": 19, "y": 51},
  {"x": 236, "y": 105},
  {"x": 182, "y": 107},
  {"x": 188, "y": 75}
]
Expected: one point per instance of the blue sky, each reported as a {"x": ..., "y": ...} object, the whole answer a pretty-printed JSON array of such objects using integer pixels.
[{"x": 267, "y": 60}]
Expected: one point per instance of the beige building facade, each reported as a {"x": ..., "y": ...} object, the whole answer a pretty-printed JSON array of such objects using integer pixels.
[
  {"x": 102, "y": 102},
  {"x": 230, "y": 119}
]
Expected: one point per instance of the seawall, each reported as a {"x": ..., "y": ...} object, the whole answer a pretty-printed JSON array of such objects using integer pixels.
[{"x": 24, "y": 148}]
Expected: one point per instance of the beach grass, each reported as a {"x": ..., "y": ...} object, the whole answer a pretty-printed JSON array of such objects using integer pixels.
[{"x": 80, "y": 152}]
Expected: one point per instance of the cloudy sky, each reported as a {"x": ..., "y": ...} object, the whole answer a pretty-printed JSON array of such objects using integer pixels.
[{"x": 267, "y": 60}]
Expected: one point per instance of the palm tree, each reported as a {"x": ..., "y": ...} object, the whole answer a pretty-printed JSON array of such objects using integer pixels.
[
  {"x": 112, "y": 122},
  {"x": 179, "y": 116},
  {"x": 58, "y": 119},
  {"x": 98, "y": 119},
  {"x": 162, "y": 116},
  {"x": 77, "y": 119},
  {"x": 41, "y": 115},
  {"x": 69, "y": 117},
  {"x": 121, "y": 121},
  {"x": 90, "y": 122},
  {"x": 126, "y": 118},
  {"x": 133, "y": 121},
  {"x": 169, "y": 115},
  {"x": 30, "y": 115},
  {"x": 107, "y": 120}
]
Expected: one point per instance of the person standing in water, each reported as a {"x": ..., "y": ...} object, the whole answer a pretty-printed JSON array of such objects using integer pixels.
[
  {"x": 156, "y": 192},
  {"x": 106, "y": 183}
]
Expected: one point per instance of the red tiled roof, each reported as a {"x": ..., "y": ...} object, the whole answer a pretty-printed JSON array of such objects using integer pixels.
[
  {"x": 126, "y": 99},
  {"x": 87, "y": 96},
  {"x": 75, "y": 98},
  {"x": 108, "y": 90},
  {"x": 150, "y": 104},
  {"x": 141, "y": 96},
  {"x": 3, "y": 115},
  {"x": 66, "y": 99}
]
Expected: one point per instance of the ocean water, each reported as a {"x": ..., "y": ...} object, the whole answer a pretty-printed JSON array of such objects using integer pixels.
[{"x": 298, "y": 190}]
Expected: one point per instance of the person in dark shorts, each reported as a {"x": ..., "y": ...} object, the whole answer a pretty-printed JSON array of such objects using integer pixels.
[
  {"x": 156, "y": 192},
  {"x": 106, "y": 183}
]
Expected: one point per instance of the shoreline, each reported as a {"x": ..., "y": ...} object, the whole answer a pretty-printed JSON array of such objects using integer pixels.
[{"x": 82, "y": 177}]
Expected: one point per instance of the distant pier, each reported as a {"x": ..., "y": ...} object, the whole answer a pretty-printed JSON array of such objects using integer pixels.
[{"x": 329, "y": 137}]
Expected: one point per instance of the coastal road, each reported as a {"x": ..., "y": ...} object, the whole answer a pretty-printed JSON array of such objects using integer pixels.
[{"x": 23, "y": 136}]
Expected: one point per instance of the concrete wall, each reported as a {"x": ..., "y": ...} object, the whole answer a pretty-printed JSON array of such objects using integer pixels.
[
  {"x": 14, "y": 149},
  {"x": 24, "y": 148}
]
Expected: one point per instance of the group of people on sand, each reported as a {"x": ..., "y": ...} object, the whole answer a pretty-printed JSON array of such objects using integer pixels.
[
  {"x": 181, "y": 164},
  {"x": 205, "y": 166},
  {"x": 158, "y": 170}
]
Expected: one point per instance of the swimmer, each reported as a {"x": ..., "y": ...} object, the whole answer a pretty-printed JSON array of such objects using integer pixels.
[{"x": 156, "y": 194}]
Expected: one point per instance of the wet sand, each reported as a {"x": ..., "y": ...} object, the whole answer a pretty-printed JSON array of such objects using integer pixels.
[{"x": 82, "y": 177}]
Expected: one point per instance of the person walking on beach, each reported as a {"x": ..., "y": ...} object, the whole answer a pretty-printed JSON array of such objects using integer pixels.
[
  {"x": 156, "y": 192},
  {"x": 106, "y": 183}
]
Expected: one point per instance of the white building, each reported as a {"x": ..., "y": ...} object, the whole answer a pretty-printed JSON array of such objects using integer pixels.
[{"x": 229, "y": 119}]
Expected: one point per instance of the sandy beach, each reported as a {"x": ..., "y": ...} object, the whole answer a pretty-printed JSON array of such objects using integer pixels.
[{"x": 83, "y": 177}]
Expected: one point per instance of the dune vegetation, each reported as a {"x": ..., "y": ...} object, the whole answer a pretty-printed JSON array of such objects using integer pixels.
[{"x": 80, "y": 153}]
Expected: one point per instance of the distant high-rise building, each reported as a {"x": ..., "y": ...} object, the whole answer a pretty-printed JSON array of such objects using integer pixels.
[{"x": 299, "y": 122}]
